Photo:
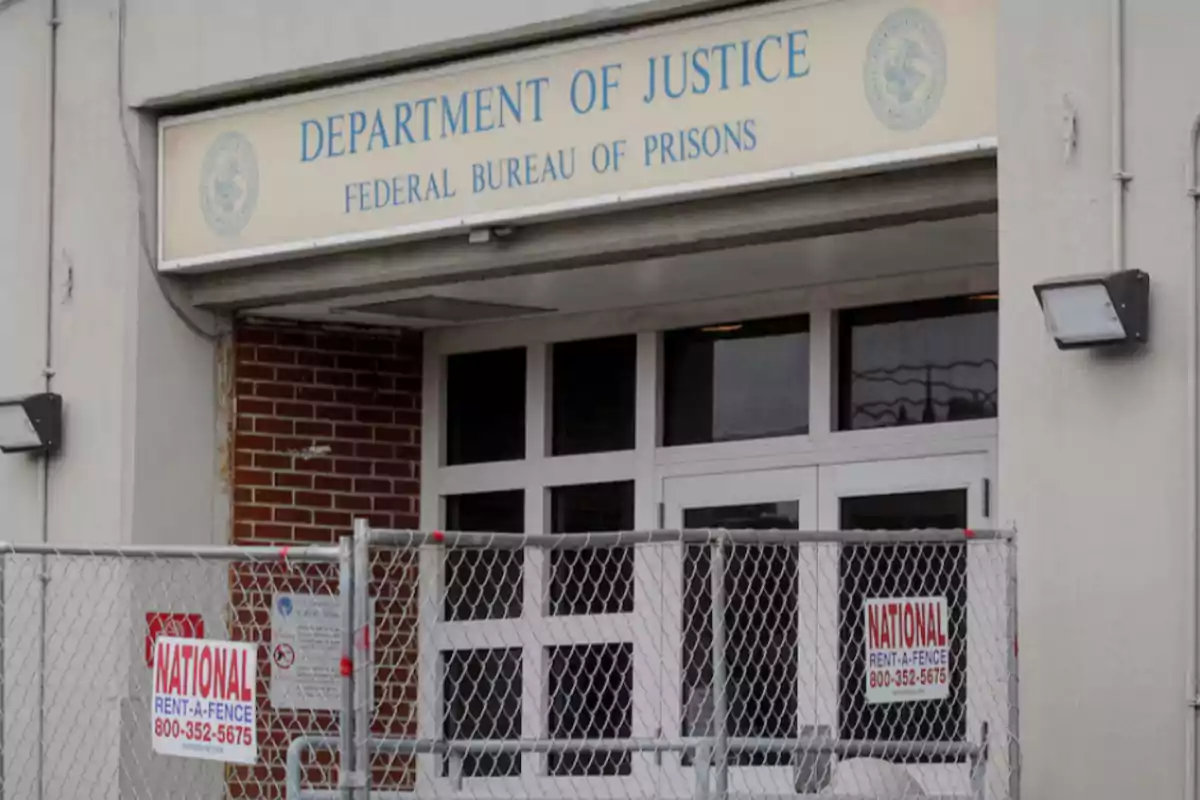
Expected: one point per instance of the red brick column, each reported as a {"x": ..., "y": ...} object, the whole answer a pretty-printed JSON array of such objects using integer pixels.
[{"x": 327, "y": 428}]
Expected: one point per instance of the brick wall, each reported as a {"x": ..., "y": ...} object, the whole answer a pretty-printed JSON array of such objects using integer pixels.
[{"x": 326, "y": 428}]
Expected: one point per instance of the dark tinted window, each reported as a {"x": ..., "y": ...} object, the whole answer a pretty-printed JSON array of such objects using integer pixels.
[
  {"x": 482, "y": 691},
  {"x": 594, "y": 384},
  {"x": 744, "y": 380},
  {"x": 932, "y": 361},
  {"x": 485, "y": 407},
  {"x": 592, "y": 581},
  {"x": 591, "y": 697},
  {"x": 484, "y": 583},
  {"x": 895, "y": 571},
  {"x": 761, "y": 595}
]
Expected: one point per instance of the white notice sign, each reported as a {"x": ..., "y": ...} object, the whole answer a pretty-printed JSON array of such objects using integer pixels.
[
  {"x": 204, "y": 700},
  {"x": 306, "y": 651},
  {"x": 907, "y": 649}
]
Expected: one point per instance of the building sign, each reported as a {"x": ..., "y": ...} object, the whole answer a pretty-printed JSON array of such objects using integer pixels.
[
  {"x": 778, "y": 93},
  {"x": 306, "y": 651},
  {"x": 907, "y": 649},
  {"x": 205, "y": 700}
]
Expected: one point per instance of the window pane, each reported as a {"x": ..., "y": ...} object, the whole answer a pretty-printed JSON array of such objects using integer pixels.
[
  {"x": 761, "y": 628},
  {"x": 591, "y": 697},
  {"x": 484, "y": 583},
  {"x": 594, "y": 383},
  {"x": 594, "y": 581},
  {"x": 902, "y": 570},
  {"x": 932, "y": 361},
  {"x": 741, "y": 381},
  {"x": 482, "y": 694},
  {"x": 485, "y": 407}
]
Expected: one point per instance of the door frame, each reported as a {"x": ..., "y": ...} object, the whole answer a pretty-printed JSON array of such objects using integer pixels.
[{"x": 818, "y": 687}]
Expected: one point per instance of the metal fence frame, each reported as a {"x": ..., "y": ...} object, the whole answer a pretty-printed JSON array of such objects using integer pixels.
[
  {"x": 718, "y": 746},
  {"x": 354, "y": 743}
]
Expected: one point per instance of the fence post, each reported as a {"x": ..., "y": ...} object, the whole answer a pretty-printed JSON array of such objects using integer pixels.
[
  {"x": 364, "y": 662},
  {"x": 1014, "y": 711},
  {"x": 720, "y": 682},
  {"x": 346, "y": 719}
]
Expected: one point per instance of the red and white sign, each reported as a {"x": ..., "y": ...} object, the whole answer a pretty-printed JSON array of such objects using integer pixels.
[
  {"x": 177, "y": 626},
  {"x": 907, "y": 649},
  {"x": 204, "y": 700}
]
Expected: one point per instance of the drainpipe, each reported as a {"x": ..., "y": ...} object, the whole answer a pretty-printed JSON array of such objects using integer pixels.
[
  {"x": 1120, "y": 178},
  {"x": 48, "y": 376},
  {"x": 1193, "y": 634}
]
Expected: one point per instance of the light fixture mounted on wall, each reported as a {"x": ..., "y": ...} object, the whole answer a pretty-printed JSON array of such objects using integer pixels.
[
  {"x": 1100, "y": 310},
  {"x": 31, "y": 424}
]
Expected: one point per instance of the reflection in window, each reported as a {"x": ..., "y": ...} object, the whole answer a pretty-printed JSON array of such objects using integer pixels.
[
  {"x": 485, "y": 407},
  {"x": 593, "y": 581},
  {"x": 739, "y": 381},
  {"x": 591, "y": 697},
  {"x": 594, "y": 383},
  {"x": 762, "y": 669},
  {"x": 914, "y": 363},
  {"x": 482, "y": 700},
  {"x": 484, "y": 583}
]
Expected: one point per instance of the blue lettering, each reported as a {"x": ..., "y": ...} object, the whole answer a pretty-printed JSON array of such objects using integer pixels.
[
  {"x": 482, "y": 109},
  {"x": 745, "y": 62},
  {"x": 797, "y": 53},
  {"x": 750, "y": 133},
  {"x": 513, "y": 104},
  {"x": 600, "y": 166},
  {"x": 403, "y": 115},
  {"x": 538, "y": 84},
  {"x": 378, "y": 131},
  {"x": 668, "y": 146},
  {"x": 607, "y": 82},
  {"x": 307, "y": 154},
  {"x": 733, "y": 134},
  {"x": 397, "y": 190},
  {"x": 425, "y": 116},
  {"x": 350, "y": 189},
  {"x": 452, "y": 124},
  {"x": 478, "y": 179},
  {"x": 333, "y": 125},
  {"x": 383, "y": 193},
  {"x": 694, "y": 146},
  {"x": 650, "y": 145},
  {"x": 674, "y": 95},
  {"x": 712, "y": 145},
  {"x": 649, "y": 96},
  {"x": 358, "y": 126},
  {"x": 590, "y": 88},
  {"x": 514, "y": 172},
  {"x": 700, "y": 71},
  {"x": 758, "y": 59},
  {"x": 414, "y": 189},
  {"x": 724, "y": 49}
]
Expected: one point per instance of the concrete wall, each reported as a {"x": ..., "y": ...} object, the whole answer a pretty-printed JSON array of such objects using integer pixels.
[
  {"x": 187, "y": 49},
  {"x": 1094, "y": 454}
]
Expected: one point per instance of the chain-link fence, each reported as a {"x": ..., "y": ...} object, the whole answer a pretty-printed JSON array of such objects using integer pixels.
[
  {"x": 79, "y": 681},
  {"x": 687, "y": 664},
  {"x": 696, "y": 664}
]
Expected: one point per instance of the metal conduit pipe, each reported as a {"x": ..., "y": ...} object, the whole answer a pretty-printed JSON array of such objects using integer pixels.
[
  {"x": 974, "y": 752},
  {"x": 1192, "y": 763}
]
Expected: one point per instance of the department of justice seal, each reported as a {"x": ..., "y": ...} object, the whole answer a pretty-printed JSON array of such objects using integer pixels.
[
  {"x": 229, "y": 184},
  {"x": 905, "y": 70}
]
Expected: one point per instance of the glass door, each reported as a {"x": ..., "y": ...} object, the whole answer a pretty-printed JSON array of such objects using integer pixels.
[
  {"x": 770, "y": 682},
  {"x": 947, "y": 493}
]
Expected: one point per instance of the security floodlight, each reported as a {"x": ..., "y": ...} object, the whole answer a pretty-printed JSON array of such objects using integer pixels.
[
  {"x": 1096, "y": 310},
  {"x": 31, "y": 424}
]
